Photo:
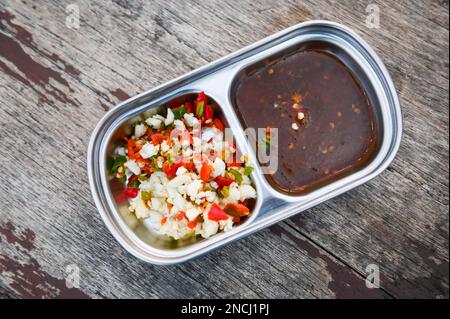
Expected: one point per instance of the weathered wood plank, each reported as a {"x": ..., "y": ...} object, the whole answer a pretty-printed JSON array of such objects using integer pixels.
[
  {"x": 60, "y": 123},
  {"x": 67, "y": 78}
]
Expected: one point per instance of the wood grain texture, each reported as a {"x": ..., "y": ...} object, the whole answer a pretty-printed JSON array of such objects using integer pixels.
[{"x": 56, "y": 83}]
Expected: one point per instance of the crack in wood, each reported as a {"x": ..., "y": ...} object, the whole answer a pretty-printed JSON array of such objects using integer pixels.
[{"x": 24, "y": 273}]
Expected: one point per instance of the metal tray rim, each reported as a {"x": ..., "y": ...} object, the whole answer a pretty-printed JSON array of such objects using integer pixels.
[{"x": 117, "y": 230}]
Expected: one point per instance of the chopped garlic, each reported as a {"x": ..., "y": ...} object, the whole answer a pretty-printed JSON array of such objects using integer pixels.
[
  {"x": 246, "y": 191},
  {"x": 141, "y": 210},
  {"x": 154, "y": 122},
  {"x": 219, "y": 167},
  {"x": 234, "y": 194},
  {"x": 165, "y": 147},
  {"x": 214, "y": 184},
  {"x": 181, "y": 171},
  {"x": 209, "y": 227},
  {"x": 179, "y": 125},
  {"x": 139, "y": 130},
  {"x": 228, "y": 225},
  {"x": 149, "y": 150},
  {"x": 170, "y": 117},
  {"x": 208, "y": 133},
  {"x": 133, "y": 167},
  {"x": 208, "y": 195},
  {"x": 192, "y": 213},
  {"x": 191, "y": 120},
  {"x": 193, "y": 188}
]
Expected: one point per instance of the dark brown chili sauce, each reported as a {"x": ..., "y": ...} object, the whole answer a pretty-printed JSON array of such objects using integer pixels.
[{"x": 338, "y": 132}]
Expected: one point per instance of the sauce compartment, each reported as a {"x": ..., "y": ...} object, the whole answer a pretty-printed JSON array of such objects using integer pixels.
[
  {"x": 141, "y": 227},
  {"x": 325, "y": 110}
]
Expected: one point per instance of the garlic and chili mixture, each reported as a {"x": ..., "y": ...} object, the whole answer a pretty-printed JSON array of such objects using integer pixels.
[{"x": 182, "y": 177}]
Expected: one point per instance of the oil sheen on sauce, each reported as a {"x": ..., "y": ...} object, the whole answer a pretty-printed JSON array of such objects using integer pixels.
[{"x": 326, "y": 126}]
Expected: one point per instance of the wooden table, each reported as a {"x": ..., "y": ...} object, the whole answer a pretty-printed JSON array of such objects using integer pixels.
[{"x": 58, "y": 80}]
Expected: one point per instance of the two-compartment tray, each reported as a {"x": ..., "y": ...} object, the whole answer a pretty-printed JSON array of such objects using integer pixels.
[{"x": 216, "y": 80}]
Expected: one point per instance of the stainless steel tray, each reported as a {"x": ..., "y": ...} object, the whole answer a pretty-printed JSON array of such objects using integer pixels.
[{"x": 216, "y": 79}]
